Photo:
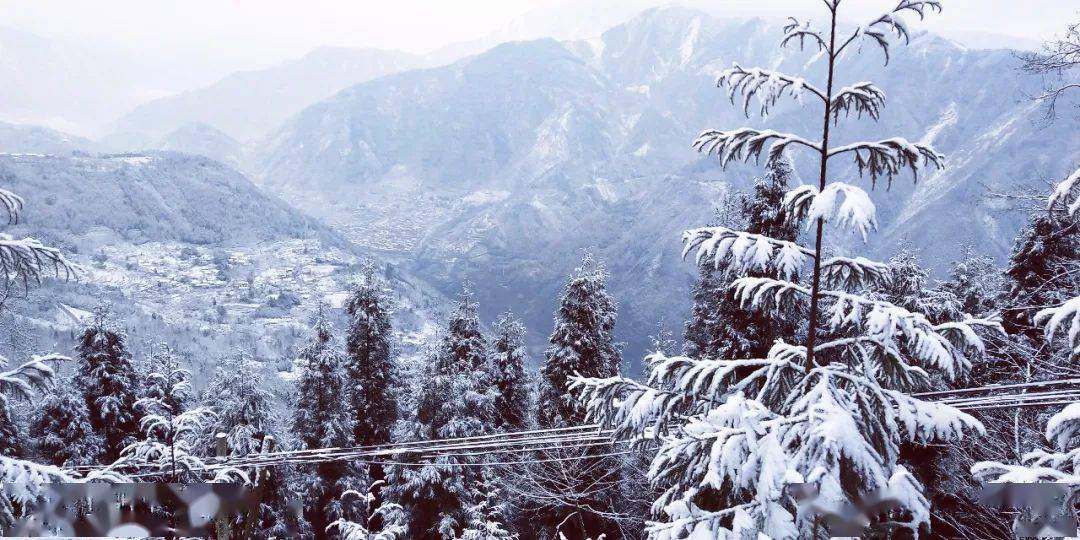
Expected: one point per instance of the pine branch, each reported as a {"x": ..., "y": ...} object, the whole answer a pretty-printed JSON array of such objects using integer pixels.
[
  {"x": 766, "y": 85},
  {"x": 890, "y": 156},
  {"x": 746, "y": 143}
]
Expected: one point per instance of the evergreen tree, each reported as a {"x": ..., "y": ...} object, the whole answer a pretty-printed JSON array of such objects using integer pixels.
[
  {"x": 243, "y": 412},
  {"x": 1037, "y": 274},
  {"x": 507, "y": 375},
  {"x": 454, "y": 403},
  {"x": 581, "y": 343},
  {"x": 62, "y": 431},
  {"x": 238, "y": 395},
  {"x": 166, "y": 384},
  {"x": 488, "y": 516},
  {"x": 719, "y": 326},
  {"x": 828, "y": 415},
  {"x": 370, "y": 371},
  {"x": 369, "y": 364},
  {"x": 107, "y": 380},
  {"x": 566, "y": 487},
  {"x": 322, "y": 419},
  {"x": 976, "y": 282}
]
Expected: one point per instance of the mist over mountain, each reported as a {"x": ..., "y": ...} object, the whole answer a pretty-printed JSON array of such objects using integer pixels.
[
  {"x": 29, "y": 139},
  {"x": 502, "y": 168},
  {"x": 247, "y": 104}
]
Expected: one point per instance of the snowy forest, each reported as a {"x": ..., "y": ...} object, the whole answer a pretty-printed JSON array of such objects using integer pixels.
[{"x": 816, "y": 383}]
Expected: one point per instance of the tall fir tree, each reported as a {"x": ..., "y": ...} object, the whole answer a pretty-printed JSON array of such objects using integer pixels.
[
  {"x": 454, "y": 403},
  {"x": 565, "y": 490},
  {"x": 323, "y": 419},
  {"x": 370, "y": 372},
  {"x": 108, "y": 383},
  {"x": 830, "y": 413},
  {"x": 581, "y": 343},
  {"x": 61, "y": 429},
  {"x": 507, "y": 375},
  {"x": 720, "y": 327}
]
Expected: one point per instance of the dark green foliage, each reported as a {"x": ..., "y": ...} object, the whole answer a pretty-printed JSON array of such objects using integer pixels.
[
  {"x": 581, "y": 343},
  {"x": 454, "y": 403},
  {"x": 108, "y": 384},
  {"x": 62, "y": 432},
  {"x": 369, "y": 365},
  {"x": 507, "y": 375},
  {"x": 322, "y": 419},
  {"x": 719, "y": 327}
]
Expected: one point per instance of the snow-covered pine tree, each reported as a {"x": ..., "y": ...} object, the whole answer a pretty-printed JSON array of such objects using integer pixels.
[
  {"x": 166, "y": 383},
  {"x": 370, "y": 369},
  {"x": 488, "y": 516},
  {"x": 720, "y": 327},
  {"x": 238, "y": 395},
  {"x": 61, "y": 429},
  {"x": 581, "y": 343},
  {"x": 242, "y": 403},
  {"x": 454, "y": 403},
  {"x": 109, "y": 387},
  {"x": 574, "y": 491},
  {"x": 323, "y": 418},
  {"x": 830, "y": 415},
  {"x": 711, "y": 287},
  {"x": 170, "y": 443},
  {"x": 513, "y": 404},
  {"x": 976, "y": 282}
]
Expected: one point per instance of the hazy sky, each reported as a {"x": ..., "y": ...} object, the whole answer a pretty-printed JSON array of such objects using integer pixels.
[{"x": 263, "y": 31}]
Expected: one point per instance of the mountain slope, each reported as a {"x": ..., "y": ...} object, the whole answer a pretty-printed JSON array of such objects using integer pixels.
[
  {"x": 502, "y": 168},
  {"x": 28, "y": 139},
  {"x": 203, "y": 140},
  {"x": 148, "y": 197},
  {"x": 249, "y": 103}
]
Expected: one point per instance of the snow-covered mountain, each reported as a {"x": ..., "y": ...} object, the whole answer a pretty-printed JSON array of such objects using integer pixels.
[
  {"x": 501, "y": 168},
  {"x": 203, "y": 140},
  {"x": 247, "y": 104},
  {"x": 30, "y": 139},
  {"x": 149, "y": 197}
]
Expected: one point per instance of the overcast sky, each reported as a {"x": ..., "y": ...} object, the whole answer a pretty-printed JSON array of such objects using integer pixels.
[{"x": 263, "y": 31}]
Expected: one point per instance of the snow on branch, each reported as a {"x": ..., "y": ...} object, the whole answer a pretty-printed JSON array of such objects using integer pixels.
[
  {"x": 859, "y": 98},
  {"x": 13, "y": 204},
  {"x": 942, "y": 346},
  {"x": 926, "y": 422},
  {"x": 29, "y": 260},
  {"x": 23, "y": 480},
  {"x": 32, "y": 375},
  {"x": 890, "y": 156},
  {"x": 856, "y": 211},
  {"x": 1041, "y": 466},
  {"x": 765, "y": 293},
  {"x": 742, "y": 251},
  {"x": 745, "y": 143},
  {"x": 854, "y": 273},
  {"x": 1053, "y": 318},
  {"x": 765, "y": 85},
  {"x": 1063, "y": 426},
  {"x": 1064, "y": 191},
  {"x": 802, "y": 32},
  {"x": 883, "y": 29}
]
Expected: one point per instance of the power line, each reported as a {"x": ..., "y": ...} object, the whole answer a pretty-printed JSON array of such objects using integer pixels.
[{"x": 1042, "y": 393}]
